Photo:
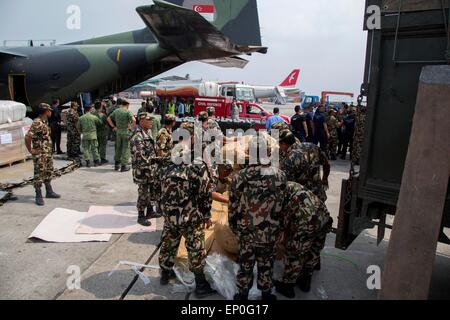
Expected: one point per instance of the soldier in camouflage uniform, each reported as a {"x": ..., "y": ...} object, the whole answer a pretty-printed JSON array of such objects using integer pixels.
[
  {"x": 333, "y": 140},
  {"x": 102, "y": 130},
  {"x": 143, "y": 158},
  {"x": 164, "y": 142},
  {"x": 73, "y": 135},
  {"x": 255, "y": 217},
  {"x": 302, "y": 164},
  {"x": 39, "y": 143},
  {"x": 87, "y": 125},
  {"x": 186, "y": 204},
  {"x": 307, "y": 223}
]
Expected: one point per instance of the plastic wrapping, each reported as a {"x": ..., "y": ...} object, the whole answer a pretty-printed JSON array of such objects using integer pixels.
[
  {"x": 221, "y": 273},
  {"x": 11, "y": 111},
  {"x": 186, "y": 277}
]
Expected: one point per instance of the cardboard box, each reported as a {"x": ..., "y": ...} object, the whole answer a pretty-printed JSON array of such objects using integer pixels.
[{"x": 12, "y": 142}]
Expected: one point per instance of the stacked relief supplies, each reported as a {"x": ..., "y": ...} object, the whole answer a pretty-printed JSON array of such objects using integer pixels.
[{"x": 13, "y": 128}]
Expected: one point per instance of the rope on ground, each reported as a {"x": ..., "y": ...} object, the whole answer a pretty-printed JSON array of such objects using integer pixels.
[{"x": 9, "y": 187}]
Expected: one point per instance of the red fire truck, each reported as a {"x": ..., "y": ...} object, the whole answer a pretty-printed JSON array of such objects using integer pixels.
[{"x": 251, "y": 115}]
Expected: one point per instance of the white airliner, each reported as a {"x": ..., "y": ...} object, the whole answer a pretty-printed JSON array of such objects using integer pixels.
[{"x": 281, "y": 92}]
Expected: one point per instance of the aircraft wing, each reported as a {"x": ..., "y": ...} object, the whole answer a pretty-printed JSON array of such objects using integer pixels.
[
  {"x": 6, "y": 54},
  {"x": 230, "y": 62},
  {"x": 189, "y": 35}
]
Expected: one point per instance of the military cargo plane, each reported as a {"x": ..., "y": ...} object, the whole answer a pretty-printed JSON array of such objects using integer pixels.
[{"x": 216, "y": 32}]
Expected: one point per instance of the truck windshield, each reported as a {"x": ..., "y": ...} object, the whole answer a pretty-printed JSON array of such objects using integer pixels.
[{"x": 245, "y": 94}]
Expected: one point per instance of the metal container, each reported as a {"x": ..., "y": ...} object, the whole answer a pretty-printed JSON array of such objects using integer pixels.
[{"x": 413, "y": 34}]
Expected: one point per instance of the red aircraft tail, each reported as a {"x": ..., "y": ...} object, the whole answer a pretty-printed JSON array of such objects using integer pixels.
[{"x": 292, "y": 79}]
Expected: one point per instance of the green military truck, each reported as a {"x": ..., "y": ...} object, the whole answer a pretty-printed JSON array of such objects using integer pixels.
[{"x": 413, "y": 34}]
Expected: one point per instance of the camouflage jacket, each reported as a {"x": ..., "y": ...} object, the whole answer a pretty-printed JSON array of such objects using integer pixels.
[
  {"x": 185, "y": 193},
  {"x": 72, "y": 121},
  {"x": 304, "y": 212},
  {"x": 40, "y": 135},
  {"x": 302, "y": 164},
  {"x": 213, "y": 125},
  {"x": 256, "y": 203},
  {"x": 332, "y": 124},
  {"x": 164, "y": 143},
  {"x": 142, "y": 153}
]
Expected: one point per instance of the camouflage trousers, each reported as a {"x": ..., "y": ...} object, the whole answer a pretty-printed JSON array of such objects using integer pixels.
[
  {"x": 73, "y": 144},
  {"x": 90, "y": 150},
  {"x": 303, "y": 250},
  {"x": 102, "y": 143},
  {"x": 318, "y": 189},
  {"x": 144, "y": 197},
  {"x": 195, "y": 245},
  {"x": 264, "y": 258},
  {"x": 43, "y": 169},
  {"x": 333, "y": 145},
  {"x": 123, "y": 152}
]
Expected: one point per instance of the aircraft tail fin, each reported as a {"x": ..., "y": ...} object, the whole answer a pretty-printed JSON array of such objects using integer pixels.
[
  {"x": 188, "y": 34},
  {"x": 292, "y": 79},
  {"x": 230, "y": 17}
]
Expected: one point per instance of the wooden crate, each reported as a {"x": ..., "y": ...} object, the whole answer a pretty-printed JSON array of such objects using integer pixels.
[{"x": 12, "y": 143}]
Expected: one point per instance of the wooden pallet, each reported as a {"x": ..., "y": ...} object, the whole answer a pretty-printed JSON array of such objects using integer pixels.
[{"x": 14, "y": 162}]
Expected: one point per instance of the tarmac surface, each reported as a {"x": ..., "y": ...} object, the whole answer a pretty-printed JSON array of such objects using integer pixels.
[{"x": 39, "y": 270}]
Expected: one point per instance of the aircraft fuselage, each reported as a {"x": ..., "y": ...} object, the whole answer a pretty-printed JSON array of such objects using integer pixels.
[{"x": 67, "y": 70}]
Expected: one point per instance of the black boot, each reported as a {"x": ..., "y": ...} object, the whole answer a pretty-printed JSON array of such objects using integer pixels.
[
  {"x": 39, "y": 200},
  {"x": 166, "y": 276},
  {"x": 202, "y": 288},
  {"x": 151, "y": 214},
  {"x": 125, "y": 169},
  {"x": 241, "y": 296},
  {"x": 286, "y": 289},
  {"x": 318, "y": 266},
  {"x": 304, "y": 282},
  {"x": 88, "y": 164},
  {"x": 117, "y": 166},
  {"x": 49, "y": 192},
  {"x": 142, "y": 220},
  {"x": 97, "y": 163},
  {"x": 268, "y": 296}
]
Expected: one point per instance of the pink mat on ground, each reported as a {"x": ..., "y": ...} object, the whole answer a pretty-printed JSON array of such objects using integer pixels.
[{"x": 112, "y": 220}]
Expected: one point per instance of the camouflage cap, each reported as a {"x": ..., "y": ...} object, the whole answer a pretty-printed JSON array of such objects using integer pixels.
[
  {"x": 203, "y": 116},
  {"x": 210, "y": 111},
  {"x": 145, "y": 116},
  {"x": 44, "y": 107},
  {"x": 286, "y": 135},
  {"x": 189, "y": 126},
  {"x": 280, "y": 126},
  {"x": 226, "y": 165},
  {"x": 169, "y": 117}
]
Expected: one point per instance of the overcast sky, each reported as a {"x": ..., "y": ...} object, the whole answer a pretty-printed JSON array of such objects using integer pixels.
[{"x": 324, "y": 38}]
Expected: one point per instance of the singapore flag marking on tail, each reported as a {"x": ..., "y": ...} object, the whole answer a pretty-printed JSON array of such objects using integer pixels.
[{"x": 206, "y": 10}]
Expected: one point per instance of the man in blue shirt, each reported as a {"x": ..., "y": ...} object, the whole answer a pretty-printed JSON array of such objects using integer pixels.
[
  {"x": 181, "y": 110},
  {"x": 321, "y": 134},
  {"x": 274, "y": 119}
]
